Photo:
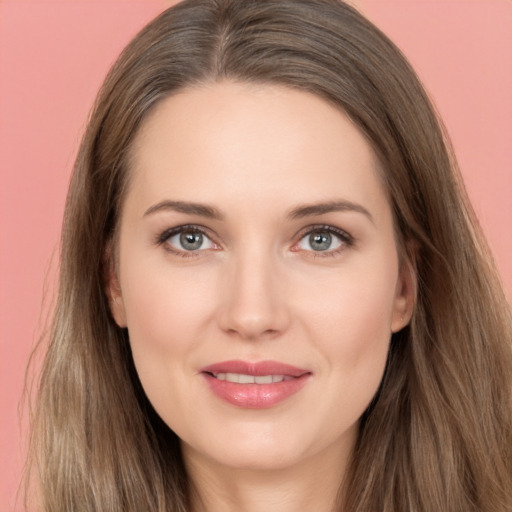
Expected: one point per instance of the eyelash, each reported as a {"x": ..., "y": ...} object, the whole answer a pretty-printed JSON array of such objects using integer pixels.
[
  {"x": 193, "y": 228},
  {"x": 346, "y": 239}
]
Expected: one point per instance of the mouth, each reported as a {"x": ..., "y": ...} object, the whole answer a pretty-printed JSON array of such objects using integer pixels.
[{"x": 254, "y": 385}]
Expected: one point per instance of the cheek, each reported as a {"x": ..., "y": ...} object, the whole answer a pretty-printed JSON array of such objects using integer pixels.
[
  {"x": 160, "y": 301},
  {"x": 350, "y": 321},
  {"x": 355, "y": 341},
  {"x": 165, "y": 313}
]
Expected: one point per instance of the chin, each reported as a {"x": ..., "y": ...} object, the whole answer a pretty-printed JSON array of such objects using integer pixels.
[
  {"x": 258, "y": 458},
  {"x": 271, "y": 448}
]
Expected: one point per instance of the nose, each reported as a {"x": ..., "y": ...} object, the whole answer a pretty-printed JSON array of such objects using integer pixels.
[{"x": 253, "y": 298}]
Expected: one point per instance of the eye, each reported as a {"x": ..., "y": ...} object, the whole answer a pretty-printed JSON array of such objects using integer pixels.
[
  {"x": 325, "y": 239},
  {"x": 186, "y": 239}
]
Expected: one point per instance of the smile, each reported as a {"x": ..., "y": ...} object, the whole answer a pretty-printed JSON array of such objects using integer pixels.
[{"x": 254, "y": 385}]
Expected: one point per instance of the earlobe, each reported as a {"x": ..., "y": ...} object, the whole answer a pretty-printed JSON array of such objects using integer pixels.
[
  {"x": 405, "y": 296},
  {"x": 113, "y": 289}
]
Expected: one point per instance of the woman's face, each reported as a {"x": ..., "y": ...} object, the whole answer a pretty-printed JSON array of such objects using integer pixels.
[{"x": 257, "y": 274}]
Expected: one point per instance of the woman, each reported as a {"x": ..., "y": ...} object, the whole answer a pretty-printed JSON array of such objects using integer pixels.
[{"x": 273, "y": 291}]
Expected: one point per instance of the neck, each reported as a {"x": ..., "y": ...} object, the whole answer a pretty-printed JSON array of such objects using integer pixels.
[{"x": 314, "y": 484}]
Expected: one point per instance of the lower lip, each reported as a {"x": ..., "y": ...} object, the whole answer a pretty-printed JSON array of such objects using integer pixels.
[{"x": 255, "y": 396}]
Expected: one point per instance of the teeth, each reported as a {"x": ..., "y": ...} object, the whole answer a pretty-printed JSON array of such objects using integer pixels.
[
  {"x": 241, "y": 378},
  {"x": 264, "y": 379}
]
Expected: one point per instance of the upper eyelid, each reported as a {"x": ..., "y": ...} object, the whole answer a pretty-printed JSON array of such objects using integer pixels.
[
  {"x": 325, "y": 227},
  {"x": 167, "y": 233}
]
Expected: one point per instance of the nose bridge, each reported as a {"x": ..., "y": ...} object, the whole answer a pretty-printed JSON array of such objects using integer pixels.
[{"x": 254, "y": 302}]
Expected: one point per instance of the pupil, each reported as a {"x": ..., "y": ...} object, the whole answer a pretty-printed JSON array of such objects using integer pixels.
[
  {"x": 191, "y": 241},
  {"x": 320, "y": 241}
]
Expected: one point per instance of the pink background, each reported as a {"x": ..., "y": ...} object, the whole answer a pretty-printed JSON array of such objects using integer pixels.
[{"x": 53, "y": 56}]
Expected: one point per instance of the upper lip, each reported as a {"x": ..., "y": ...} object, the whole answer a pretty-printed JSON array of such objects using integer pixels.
[{"x": 257, "y": 369}]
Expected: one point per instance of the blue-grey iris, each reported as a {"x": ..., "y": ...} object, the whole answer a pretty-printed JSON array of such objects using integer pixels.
[
  {"x": 191, "y": 240},
  {"x": 320, "y": 241}
]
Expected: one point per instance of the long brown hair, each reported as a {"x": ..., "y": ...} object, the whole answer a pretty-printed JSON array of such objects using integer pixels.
[{"x": 438, "y": 434}]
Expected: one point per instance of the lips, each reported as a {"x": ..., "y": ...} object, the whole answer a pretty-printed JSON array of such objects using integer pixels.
[{"x": 254, "y": 385}]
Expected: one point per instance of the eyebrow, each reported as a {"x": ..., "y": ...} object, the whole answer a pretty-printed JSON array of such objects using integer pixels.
[
  {"x": 203, "y": 210},
  {"x": 299, "y": 212},
  {"x": 309, "y": 210}
]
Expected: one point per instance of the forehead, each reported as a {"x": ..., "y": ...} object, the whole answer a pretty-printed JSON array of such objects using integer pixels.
[{"x": 232, "y": 140}]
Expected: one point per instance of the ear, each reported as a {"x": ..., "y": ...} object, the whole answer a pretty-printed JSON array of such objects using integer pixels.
[
  {"x": 113, "y": 288},
  {"x": 405, "y": 295}
]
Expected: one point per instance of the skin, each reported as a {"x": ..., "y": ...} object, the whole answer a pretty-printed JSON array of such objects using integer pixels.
[{"x": 256, "y": 290}]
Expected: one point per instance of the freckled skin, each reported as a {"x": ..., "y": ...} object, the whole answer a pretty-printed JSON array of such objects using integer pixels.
[{"x": 257, "y": 290}]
